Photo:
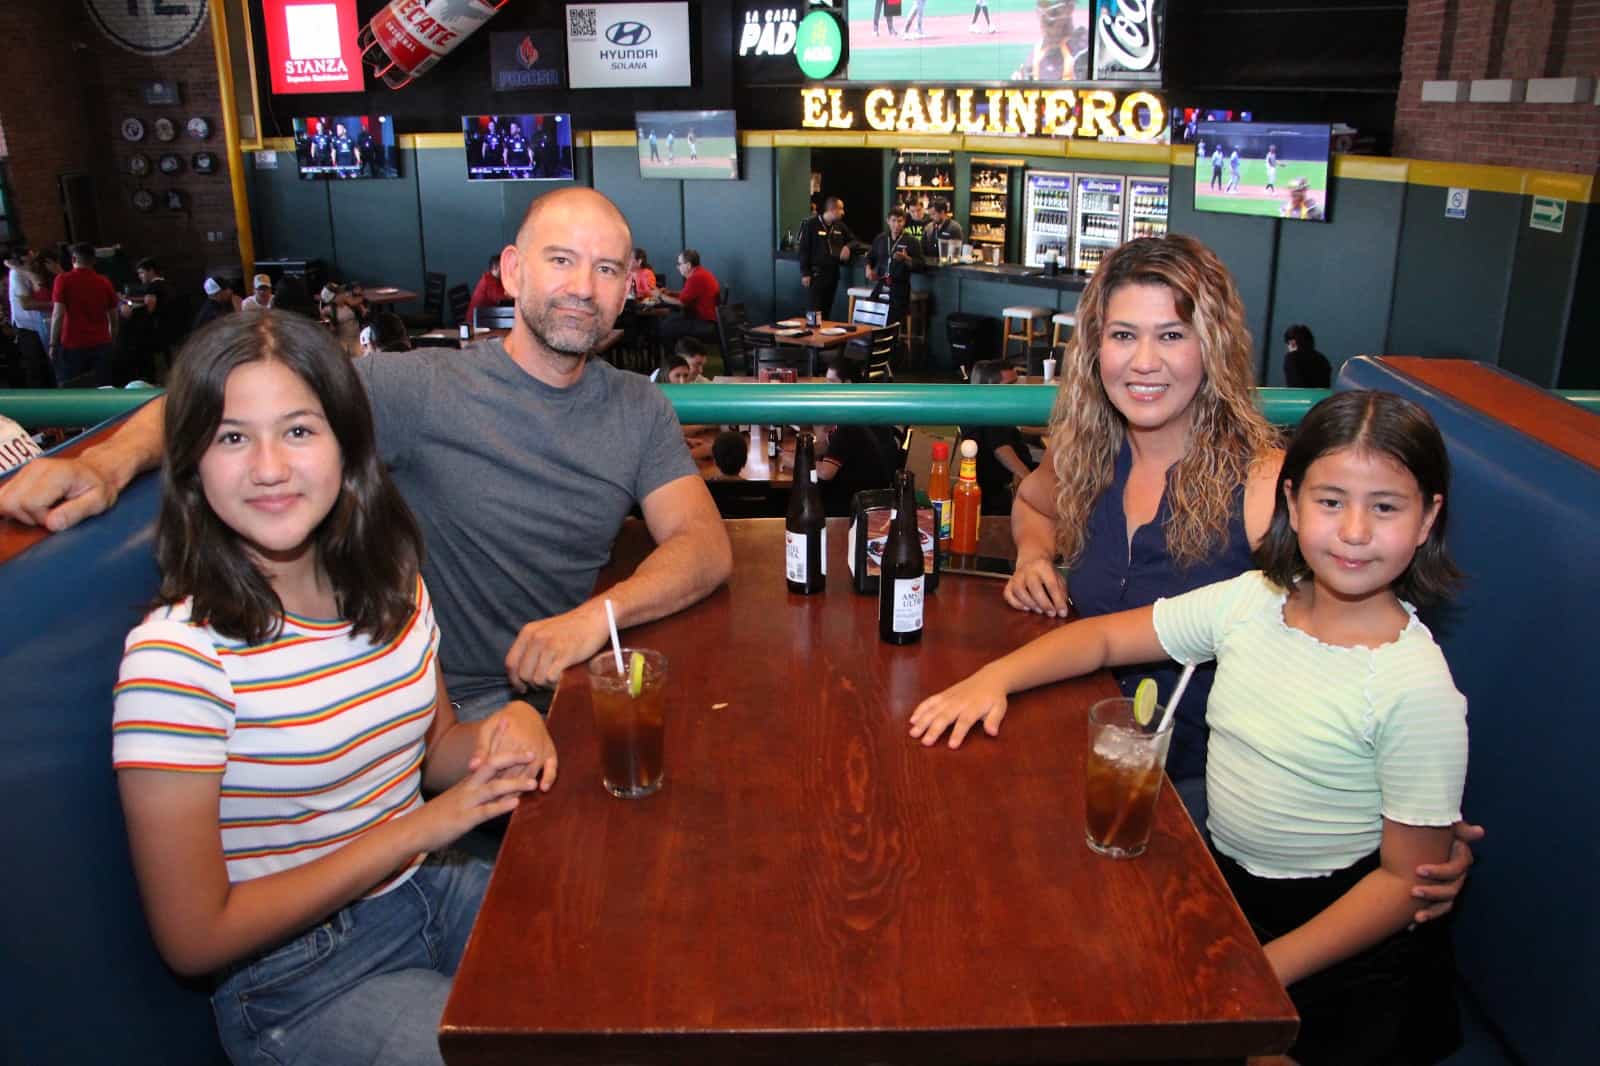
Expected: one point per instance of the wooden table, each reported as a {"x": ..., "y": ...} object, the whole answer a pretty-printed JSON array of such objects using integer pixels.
[
  {"x": 812, "y": 886},
  {"x": 815, "y": 338},
  {"x": 479, "y": 333},
  {"x": 388, "y": 294}
]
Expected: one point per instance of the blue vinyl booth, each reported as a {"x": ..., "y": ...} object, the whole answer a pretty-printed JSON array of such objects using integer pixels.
[
  {"x": 85, "y": 984},
  {"x": 1520, "y": 640}
]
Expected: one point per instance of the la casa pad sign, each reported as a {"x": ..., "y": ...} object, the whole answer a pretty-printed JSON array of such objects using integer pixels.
[{"x": 1087, "y": 113}]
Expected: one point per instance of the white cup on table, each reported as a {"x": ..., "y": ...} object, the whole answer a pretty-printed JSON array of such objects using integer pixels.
[{"x": 1049, "y": 371}]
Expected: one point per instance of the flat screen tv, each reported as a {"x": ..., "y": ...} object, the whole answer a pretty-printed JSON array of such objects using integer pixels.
[
  {"x": 346, "y": 146},
  {"x": 1275, "y": 169},
  {"x": 690, "y": 145},
  {"x": 1006, "y": 40},
  {"x": 518, "y": 147}
]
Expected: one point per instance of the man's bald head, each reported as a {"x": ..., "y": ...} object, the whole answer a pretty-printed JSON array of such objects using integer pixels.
[{"x": 574, "y": 200}]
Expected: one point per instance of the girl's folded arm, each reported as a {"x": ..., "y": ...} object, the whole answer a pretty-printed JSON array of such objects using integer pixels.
[{"x": 1378, "y": 905}]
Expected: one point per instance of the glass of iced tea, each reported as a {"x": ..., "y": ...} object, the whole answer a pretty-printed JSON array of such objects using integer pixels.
[
  {"x": 1122, "y": 777},
  {"x": 630, "y": 725}
]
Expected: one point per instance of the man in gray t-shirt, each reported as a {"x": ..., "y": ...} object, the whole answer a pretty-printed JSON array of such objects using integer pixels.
[{"x": 520, "y": 461}]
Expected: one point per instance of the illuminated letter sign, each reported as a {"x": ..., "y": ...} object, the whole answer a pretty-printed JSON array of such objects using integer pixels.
[
  {"x": 1090, "y": 114},
  {"x": 311, "y": 46}
]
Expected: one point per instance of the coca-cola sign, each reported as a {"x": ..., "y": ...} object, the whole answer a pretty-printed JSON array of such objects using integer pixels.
[{"x": 1127, "y": 39}]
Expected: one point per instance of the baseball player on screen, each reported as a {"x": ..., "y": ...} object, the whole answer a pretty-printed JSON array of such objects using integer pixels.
[{"x": 1053, "y": 58}]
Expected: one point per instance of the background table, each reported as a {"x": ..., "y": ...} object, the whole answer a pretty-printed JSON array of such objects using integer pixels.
[
  {"x": 815, "y": 338},
  {"x": 812, "y": 886}
]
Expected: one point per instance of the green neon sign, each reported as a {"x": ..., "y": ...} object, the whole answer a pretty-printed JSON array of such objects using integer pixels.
[{"x": 818, "y": 45}]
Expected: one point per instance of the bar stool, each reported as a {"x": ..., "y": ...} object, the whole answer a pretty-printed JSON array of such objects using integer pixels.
[
  {"x": 856, "y": 292},
  {"x": 1058, "y": 322},
  {"x": 1031, "y": 320}
]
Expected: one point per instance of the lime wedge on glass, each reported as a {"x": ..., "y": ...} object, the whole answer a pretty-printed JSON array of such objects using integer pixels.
[
  {"x": 1144, "y": 701},
  {"x": 636, "y": 675}
]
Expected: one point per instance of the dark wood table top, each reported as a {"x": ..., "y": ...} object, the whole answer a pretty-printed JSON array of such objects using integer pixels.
[
  {"x": 815, "y": 338},
  {"x": 812, "y": 886},
  {"x": 757, "y": 467},
  {"x": 387, "y": 294}
]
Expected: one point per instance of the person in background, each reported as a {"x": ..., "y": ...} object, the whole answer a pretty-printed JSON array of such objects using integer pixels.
[
  {"x": 244, "y": 858},
  {"x": 1216, "y": 168},
  {"x": 894, "y": 257},
  {"x": 339, "y": 311},
  {"x": 940, "y": 228},
  {"x": 1301, "y": 204},
  {"x": 1160, "y": 476},
  {"x": 385, "y": 333},
  {"x": 730, "y": 451},
  {"x": 30, "y": 298},
  {"x": 1003, "y": 457},
  {"x": 824, "y": 243},
  {"x": 697, "y": 298},
  {"x": 674, "y": 370},
  {"x": 693, "y": 353},
  {"x": 220, "y": 300},
  {"x": 641, "y": 279},
  {"x": 1303, "y": 366},
  {"x": 261, "y": 297},
  {"x": 488, "y": 292},
  {"x": 917, "y": 220},
  {"x": 83, "y": 320},
  {"x": 147, "y": 327}
]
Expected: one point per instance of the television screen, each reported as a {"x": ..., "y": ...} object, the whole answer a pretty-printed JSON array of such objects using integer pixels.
[
  {"x": 518, "y": 147},
  {"x": 1186, "y": 121},
  {"x": 688, "y": 144},
  {"x": 346, "y": 146},
  {"x": 1275, "y": 169},
  {"x": 1004, "y": 40}
]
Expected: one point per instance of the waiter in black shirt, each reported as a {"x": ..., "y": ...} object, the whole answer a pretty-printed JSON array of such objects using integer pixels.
[
  {"x": 893, "y": 258},
  {"x": 824, "y": 243},
  {"x": 942, "y": 227}
]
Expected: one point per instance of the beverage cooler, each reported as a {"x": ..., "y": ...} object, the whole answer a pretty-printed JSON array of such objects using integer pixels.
[
  {"x": 1147, "y": 207},
  {"x": 1047, "y": 218},
  {"x": 1099, "y": 223}
]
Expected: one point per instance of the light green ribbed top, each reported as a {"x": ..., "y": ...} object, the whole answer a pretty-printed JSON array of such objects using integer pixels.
[{"x": 1312, "y": 745}]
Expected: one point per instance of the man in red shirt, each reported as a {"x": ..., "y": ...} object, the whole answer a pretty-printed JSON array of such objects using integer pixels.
[
  {"x": 488, "y": 292},
  {"x": 698, "y": 298},
  {"x": 85, "y": 312}
]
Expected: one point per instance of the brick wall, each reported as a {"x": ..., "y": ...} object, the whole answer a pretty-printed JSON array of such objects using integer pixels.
[
  {"x": 1520, "y": 39},
  {"x": 69, "y": 87}
]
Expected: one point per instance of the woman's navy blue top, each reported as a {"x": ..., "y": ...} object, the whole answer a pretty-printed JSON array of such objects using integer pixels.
[{"x": 1110, "y": 576}]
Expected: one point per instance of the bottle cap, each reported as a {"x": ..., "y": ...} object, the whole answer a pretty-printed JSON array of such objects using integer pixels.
[
  {"x": 969, "y": 449},
  {"x": 941, "y": 450}
]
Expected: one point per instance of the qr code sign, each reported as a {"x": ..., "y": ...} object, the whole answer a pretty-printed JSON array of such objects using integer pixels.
[{"x": 580, "y": 22}]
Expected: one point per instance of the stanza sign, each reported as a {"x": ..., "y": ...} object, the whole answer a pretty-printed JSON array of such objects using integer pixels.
[
  {"x": 311, "y": 46},
  {"x": 1089, "y": 114}
]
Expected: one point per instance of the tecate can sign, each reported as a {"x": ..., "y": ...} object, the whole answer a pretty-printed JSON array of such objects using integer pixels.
[
  {"x": 626, "y": 45},
  {"x": 1127, "y": 39}
]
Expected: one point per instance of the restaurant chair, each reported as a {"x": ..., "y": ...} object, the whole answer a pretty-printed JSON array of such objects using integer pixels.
[
  {"x": 460, "y": 297},
  {"x": 854, "y": 293},
  {"x": 724, "y": 295},
  {"x": 1059, "y": 323},
  {"x": 1024, "y": 325},
  {"x": 432, "y": 314},
  {"x": 869, "y": 312},
  {"x": 790, "y": 357},
  {"x": 878, "y": 351},
  {"x": 495, "y": 318},
  {"x": 731, "y": 326}
]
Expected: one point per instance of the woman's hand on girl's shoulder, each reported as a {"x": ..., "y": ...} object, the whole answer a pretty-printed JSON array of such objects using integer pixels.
[
  {"x": 959, "y": 708},
  {"x": 518, "y": 728}
]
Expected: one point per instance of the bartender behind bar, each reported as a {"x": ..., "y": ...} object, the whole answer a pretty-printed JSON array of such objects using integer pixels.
[
  {"x": 824, "y": 243},
  {"x": 893, "y": 258}
]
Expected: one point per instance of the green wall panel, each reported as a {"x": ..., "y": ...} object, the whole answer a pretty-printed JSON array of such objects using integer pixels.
[
  {"x": 1543, "y": 286},
  {"x": 290, "y": 216},
  {"x": 654, "y": 208},
  {"x": 1337, "y": 277},
  {"x": 375, "y": 229},
  {"x": 1452, "y": 275},
  {"x": 462, "y": 221},
  {"x": 730, "y": 223},
  {"x": 1246, "y": 245}
]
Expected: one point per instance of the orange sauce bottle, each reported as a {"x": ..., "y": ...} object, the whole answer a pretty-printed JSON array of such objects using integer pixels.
[{"x": 968, "y": 503}]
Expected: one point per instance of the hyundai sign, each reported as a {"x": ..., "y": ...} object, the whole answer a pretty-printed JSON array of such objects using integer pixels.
[{"x": 612, "y": 46}]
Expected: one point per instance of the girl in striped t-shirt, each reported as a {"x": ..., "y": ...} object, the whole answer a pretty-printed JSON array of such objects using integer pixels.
[
  {"x": 1338, "y": 746},
  {"x": 280, "y": 712}
]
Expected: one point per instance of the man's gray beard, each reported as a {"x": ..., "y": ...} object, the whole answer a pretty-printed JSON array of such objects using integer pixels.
[{"x": 553, "y": 339}]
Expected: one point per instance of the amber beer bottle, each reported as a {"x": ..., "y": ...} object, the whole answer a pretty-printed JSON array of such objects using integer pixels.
[
  {"x": 805, "y": 532},
  {"x": 900, "y": 576},
  {"x": 968, "y": 503}
]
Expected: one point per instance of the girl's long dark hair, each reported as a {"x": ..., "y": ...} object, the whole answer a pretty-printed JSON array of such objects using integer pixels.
[
  {"x": 368, "y": 545},
  {"x": 1380, "y": 423}
]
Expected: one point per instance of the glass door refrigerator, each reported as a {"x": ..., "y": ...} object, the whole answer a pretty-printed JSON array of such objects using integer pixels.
[
  {"x": 1147, "y": 207},
  {"x": 1047, "y": 217},
  {"x": 1099, "y": 223}
]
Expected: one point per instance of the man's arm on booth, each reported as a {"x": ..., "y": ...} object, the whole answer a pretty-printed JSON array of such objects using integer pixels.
[{"x": 59, "y": 493}]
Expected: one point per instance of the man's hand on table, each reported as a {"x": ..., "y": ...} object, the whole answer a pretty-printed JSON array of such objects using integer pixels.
[{"x": 545, "y": 648}]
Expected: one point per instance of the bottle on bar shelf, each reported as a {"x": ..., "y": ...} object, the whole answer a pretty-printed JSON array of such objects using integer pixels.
[
  {"x": 967, "y": 503},
  {"x": 805, "y": 531},
  {"x": 900, "y": 575}
]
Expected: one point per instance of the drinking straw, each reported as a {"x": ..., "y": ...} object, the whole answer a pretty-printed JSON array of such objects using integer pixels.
[
  {"x": 616, "y": 641},
  {"x": 1177, "y": 694}
]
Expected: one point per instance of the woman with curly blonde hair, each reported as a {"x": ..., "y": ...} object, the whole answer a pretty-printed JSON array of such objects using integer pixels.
[{"x": 1161, "y": 471}]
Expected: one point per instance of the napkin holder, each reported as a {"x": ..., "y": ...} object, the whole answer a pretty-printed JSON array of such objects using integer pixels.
[{"x": 869, "y": 528}]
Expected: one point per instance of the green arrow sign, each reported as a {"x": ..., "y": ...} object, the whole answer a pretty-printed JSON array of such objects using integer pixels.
[{"x": 1549, "y": 214}]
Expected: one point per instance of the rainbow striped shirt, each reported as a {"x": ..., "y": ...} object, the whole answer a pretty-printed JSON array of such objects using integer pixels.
[{"x": 318, "y": 735}]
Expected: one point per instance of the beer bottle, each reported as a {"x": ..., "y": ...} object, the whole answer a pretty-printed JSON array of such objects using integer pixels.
[
  {"x": 900, "y": 576},
  {"x": 805, "y": 533},
  {"x": 967, "y": 504}
]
